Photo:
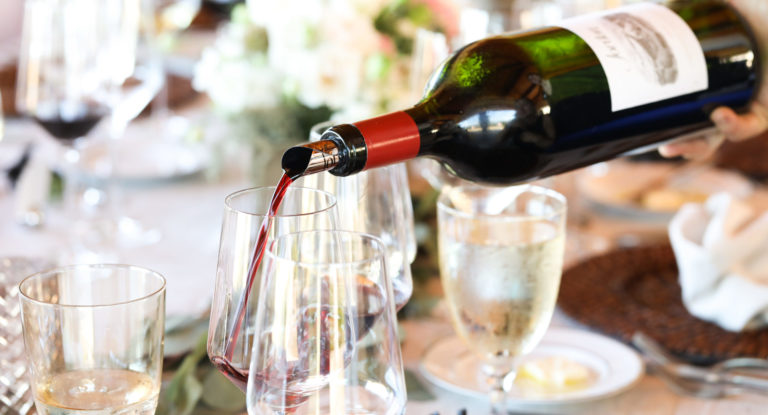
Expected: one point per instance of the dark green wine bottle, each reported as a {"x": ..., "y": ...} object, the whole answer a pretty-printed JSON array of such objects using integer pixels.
[{"x": 524, "y": 106}]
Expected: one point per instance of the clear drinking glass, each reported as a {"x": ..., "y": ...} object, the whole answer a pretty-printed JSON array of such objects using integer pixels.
[
  {"x": 82, "y": 61},
  {"x": 302, "y": 209},
  {"x": 325, "y": 339},
  {"x": 376, "y": 202},
  {"x": 94, "y": 339},
  {"x": 501, "y": 256}
]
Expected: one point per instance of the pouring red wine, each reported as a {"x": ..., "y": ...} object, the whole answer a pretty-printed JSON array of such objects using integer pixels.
[{"x": 523, "y": 106}]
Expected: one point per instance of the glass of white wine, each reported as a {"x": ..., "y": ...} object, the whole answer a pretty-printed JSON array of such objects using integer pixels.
[
  {"x": 501, "y": 256},
  {"x": 94, "y": 339}
]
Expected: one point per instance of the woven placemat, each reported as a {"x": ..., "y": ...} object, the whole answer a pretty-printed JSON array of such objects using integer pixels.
[
  {"x": 636, "y": 289},
  {"x": 748, "y": 157}
]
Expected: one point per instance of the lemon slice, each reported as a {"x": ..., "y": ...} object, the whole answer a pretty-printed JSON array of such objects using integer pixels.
[{"x": 556, "y": 373}]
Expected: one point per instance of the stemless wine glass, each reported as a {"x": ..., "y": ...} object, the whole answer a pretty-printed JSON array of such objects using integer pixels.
[
  {"x": 501, "y": 255},
  {"x": 302, "y": 209},
  {"x": 325, "y": 339},
  {"x": 94, "y": 338},
  {"x": 377, "y": 202}
]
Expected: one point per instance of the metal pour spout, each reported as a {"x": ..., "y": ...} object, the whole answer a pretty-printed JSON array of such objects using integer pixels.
[{"x": 311, "y": 158}]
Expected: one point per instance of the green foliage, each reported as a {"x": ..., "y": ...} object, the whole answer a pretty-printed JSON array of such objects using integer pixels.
[
  {"x": 184, "y": 390},
  {"x": 197, "y": 388}
]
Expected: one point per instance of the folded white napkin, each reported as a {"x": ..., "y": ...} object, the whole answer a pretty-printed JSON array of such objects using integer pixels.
[{"x": 721, "y": 249}]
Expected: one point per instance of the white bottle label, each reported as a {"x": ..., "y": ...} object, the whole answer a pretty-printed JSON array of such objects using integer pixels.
[{"x": 647, "y": 51}]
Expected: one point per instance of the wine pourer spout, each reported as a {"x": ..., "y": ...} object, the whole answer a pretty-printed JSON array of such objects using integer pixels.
[{"x": 311, "y": 158}]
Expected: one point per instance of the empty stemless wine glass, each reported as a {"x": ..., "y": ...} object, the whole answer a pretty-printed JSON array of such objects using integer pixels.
[
  {"x": 325, "y": 339},
  {"x": 376, "y": 202},
  {"x": 94, "y": 338},
  {"x": 302, "y": 209},
  {"x": 501, "y": 256}
]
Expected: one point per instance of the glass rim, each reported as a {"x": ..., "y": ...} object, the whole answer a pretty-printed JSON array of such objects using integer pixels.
[
  {"x": 380, "y": 254},
  {"x": 62, "y": 269},
  {"x": 513, "y": 217},
  {"x": 230, "y": 197}
]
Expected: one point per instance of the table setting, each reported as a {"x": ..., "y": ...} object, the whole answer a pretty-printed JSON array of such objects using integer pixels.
[{"x": 153, "y": 261}]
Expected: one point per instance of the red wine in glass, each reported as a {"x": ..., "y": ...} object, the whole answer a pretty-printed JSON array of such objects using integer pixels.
[
  {"x": 371, "y": 302},
  {"x": 296, "y": 166},
  {"x": 295, "y": 380},
  {"x": 72, "y": 124}
]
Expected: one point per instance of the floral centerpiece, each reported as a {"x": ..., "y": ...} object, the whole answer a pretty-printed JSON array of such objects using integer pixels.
[{"x": 280, "y": 67}]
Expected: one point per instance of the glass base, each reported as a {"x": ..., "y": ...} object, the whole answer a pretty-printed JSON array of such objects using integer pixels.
[
  {"x": 450, "y": 364},
  {"x": 612, "y": 369}
]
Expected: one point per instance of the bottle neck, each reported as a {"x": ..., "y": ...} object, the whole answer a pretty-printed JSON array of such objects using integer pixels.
[
  {"x": 375, "y": 142},
  {"x": 347, "y": 149}
]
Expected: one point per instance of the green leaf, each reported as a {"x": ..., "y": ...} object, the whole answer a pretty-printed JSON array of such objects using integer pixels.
[
  {"x": 221, "y": 394},
  {"x": 184, "y": 390}
]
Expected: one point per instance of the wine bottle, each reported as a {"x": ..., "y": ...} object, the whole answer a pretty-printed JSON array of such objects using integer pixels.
[{"x": 528, "y": 105}]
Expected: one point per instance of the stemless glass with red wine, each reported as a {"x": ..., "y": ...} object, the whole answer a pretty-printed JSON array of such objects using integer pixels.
[
  {"x": 244, "y": 235},
  {"x": 325, "y": 339},
  {"x": 61, "y": 84}
]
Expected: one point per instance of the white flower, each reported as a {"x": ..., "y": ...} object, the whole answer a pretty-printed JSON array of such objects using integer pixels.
[
  {"x": 236, "y": 79},
  {"x": 329, "y": 75}
]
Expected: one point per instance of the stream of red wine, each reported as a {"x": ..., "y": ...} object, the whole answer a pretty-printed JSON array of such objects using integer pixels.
[
  {"x": 258, "y": 255},
  {"x": 370, "y": 305}
]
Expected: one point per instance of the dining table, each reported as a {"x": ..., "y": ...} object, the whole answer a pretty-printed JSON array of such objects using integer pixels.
[{"x": 187, "y": 213}]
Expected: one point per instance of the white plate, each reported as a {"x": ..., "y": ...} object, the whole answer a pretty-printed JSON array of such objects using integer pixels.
[
  {"x": 141, "y": 160},
  {"x": 449, "y": 364},
  {"x": 655, "y": 190}
]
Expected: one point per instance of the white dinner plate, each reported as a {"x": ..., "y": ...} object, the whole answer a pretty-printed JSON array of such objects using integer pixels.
[
  {"x": 141, "y": 160},
  {"x": 655, "y": 190},
  {"x": 615, "y": 366}
]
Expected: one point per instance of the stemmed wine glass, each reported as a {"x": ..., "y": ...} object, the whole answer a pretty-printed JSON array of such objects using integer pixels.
[
  {"x": 136, "y": 76},
  {"x": 81, "y": 61},
  {"x": 325, "y": 339},
  {"x": 376, "y": 202},
  {"x": 302, "y": 209},
  {"x": 501, "y": 256},
  {"x": 61, "y": 82}
]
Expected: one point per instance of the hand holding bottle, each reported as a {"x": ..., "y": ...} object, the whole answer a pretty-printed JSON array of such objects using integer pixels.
[{"x": 733, "y": 126}]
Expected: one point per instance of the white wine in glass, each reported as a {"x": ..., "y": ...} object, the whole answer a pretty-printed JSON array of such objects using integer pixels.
[
  {"x": 501, "y": 256},
  {"x": 119, "y": 392},
  {"x": 93, "y": 336},
  {"x": 502, "y": 286}
]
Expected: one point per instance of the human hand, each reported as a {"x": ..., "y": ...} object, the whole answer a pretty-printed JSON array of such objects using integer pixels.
[{"x": 733, "y": 126}]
